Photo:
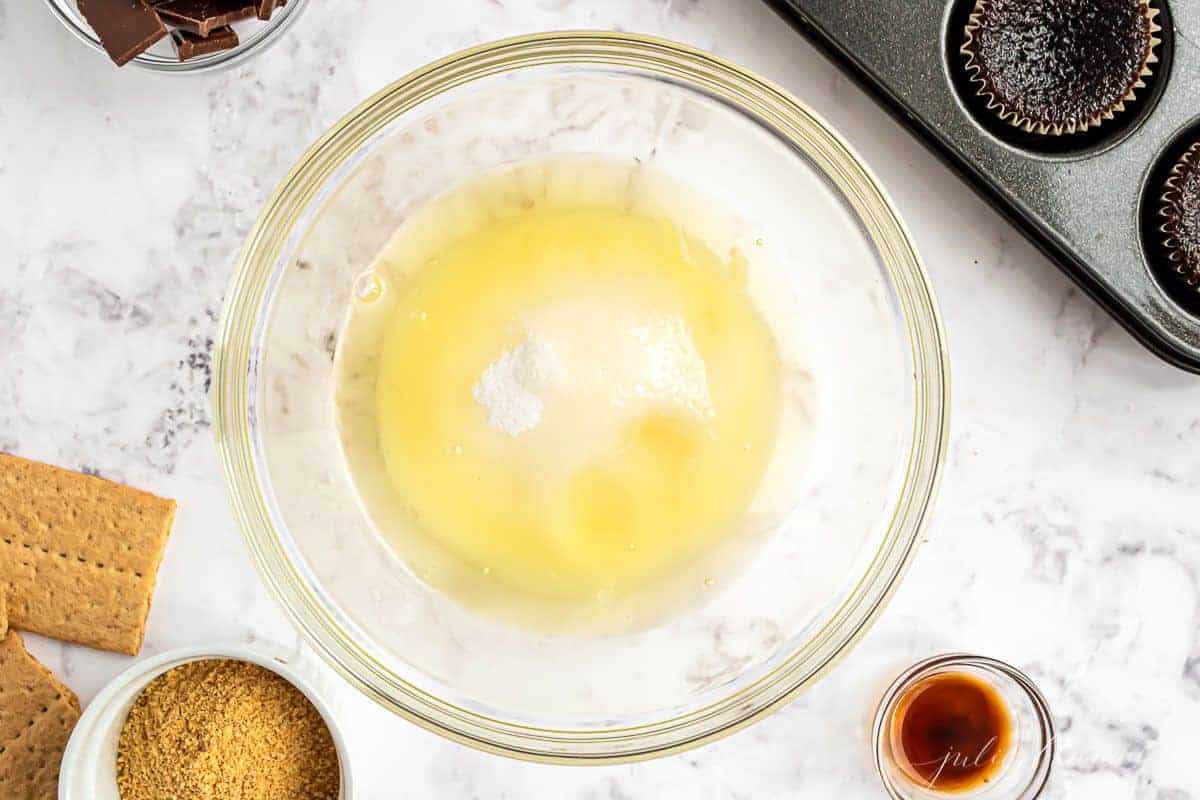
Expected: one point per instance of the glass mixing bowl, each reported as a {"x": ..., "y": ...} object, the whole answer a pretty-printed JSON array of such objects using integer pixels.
[{"x": 857, "y": 300}]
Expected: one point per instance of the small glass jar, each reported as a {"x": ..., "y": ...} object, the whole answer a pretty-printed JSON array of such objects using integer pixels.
[
  {"x": 256, "y": 36},
  {"x": 1024, "y": 765}
]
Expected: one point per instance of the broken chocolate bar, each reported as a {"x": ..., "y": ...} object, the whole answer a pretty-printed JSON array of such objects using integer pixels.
[
  {"x": 266, "y": 7},
  {"x": 124, "y": 27},
  {"x": 189, "y": 45},
  {"x": 202, "y": 17}
]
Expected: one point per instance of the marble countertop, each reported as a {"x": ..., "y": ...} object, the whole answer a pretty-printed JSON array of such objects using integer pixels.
[{"x": 1067, "y": 539}]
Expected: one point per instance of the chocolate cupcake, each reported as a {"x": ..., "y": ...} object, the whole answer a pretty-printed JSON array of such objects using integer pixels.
[
  {"x": 1180, "y": 211},
  {"x": 1057, "y": 67}
]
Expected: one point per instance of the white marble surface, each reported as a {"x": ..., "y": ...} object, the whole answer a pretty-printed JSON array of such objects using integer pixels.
[{"x": 1067, "y": 540}]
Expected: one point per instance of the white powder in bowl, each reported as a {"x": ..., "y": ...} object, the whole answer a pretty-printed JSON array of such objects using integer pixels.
[
  {"x": 606, "y": 363},
  {"x": 512, "y": 387}
]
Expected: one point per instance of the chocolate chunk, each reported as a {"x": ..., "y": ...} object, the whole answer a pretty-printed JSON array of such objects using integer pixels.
[
  {"x": 124, "y": 27},
  {"x": 202, "y": 17},
  {"x": 267, "y": 7},
  {"x": 189, "y": 45}
]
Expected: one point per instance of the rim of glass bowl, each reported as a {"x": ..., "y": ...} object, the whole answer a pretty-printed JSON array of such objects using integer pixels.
[
  {"x": 262, "y": 39},
  {"x": 795, "y": 125}
]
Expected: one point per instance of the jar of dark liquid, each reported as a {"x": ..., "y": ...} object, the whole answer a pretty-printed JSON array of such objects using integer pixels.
[{"x": 963, "y": 726}]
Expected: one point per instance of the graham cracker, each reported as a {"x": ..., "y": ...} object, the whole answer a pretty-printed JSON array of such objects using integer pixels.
[
  {"x": 3, "y": 616},
  {"x": 37, "y": 715},
  {"x": 79, "y": 555}
]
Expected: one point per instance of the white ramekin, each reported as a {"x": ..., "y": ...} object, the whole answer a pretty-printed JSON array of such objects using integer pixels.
[{"x": 89, "y": 765}]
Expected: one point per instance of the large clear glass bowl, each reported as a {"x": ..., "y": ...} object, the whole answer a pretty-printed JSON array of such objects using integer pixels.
[{"x": 860, "y": 302}]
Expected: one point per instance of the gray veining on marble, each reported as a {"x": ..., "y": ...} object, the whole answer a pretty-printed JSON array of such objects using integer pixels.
[{"x": 1067, "y": 538}]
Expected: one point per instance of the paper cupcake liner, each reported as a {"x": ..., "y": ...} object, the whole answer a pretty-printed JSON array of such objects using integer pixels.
[
  {"x": 1015, "y": 118},
  {"x": 1168, "y": 202}
]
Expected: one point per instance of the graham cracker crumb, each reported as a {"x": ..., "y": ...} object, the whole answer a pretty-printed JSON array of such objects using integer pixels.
[{"x": 221, "y": 729}]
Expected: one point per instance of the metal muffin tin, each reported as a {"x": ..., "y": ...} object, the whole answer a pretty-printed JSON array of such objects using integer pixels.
[{"x": 1089, "y": 201}]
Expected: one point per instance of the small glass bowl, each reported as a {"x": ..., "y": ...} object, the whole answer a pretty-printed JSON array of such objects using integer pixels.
[
  {"x": 1026, "y": 770},
  {"x": 255, "y": 37}
]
